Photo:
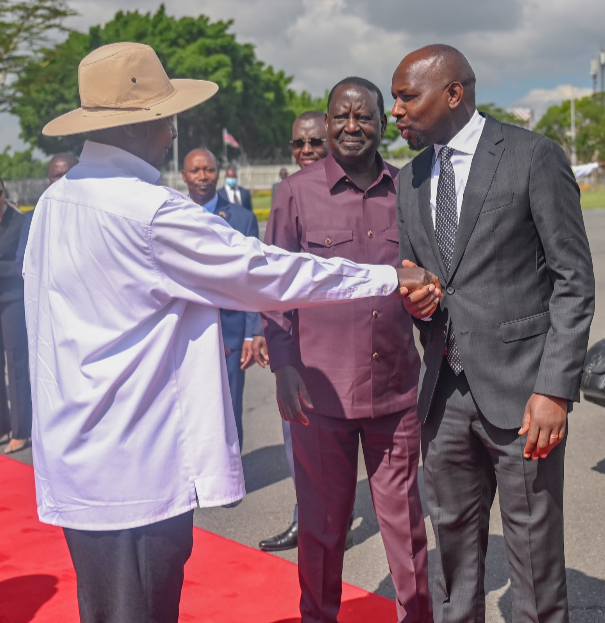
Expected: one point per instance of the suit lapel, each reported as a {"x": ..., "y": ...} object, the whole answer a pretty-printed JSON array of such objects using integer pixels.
[
  {"x": 423, "y": 179},
  {"x": 483, "y": 168}
]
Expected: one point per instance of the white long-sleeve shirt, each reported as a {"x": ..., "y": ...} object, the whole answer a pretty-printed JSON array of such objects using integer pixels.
[{"x": 123, "y": 284}]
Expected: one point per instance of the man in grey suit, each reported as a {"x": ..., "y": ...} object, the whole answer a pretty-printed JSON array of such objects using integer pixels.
[{"x": 494, "y": 211}]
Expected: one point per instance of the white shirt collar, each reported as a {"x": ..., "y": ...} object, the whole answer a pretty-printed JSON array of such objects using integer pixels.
[
  {"x": 467, "y": 139},
  {"x": 109, "y": 156},
  {"x": 211, "y": 205}
]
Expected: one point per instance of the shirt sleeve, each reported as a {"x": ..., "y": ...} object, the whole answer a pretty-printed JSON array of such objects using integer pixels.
[
  {"x": 282, "y": 231},
  {"x": 200, "y": 258}
]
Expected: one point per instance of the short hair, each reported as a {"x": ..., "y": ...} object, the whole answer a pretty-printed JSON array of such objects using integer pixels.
[
  {"x": 66, "y": 155},
  {"x": 311, "y": 114},
  {"x": 360, "y": 82}
]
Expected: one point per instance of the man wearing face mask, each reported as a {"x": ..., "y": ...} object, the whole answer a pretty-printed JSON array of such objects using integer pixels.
[
  {"x": 233, "y": 193},
  {"x": 348, "y": 376}
]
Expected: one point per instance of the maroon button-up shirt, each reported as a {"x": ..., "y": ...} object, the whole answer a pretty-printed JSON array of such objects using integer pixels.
[{"x": 357, "y": 359}]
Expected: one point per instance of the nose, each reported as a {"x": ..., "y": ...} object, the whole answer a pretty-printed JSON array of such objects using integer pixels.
[
  {"x": 307, "y": 148},
  {"x": 398, "y": 109},
  {"x": 173, "y": 130},
  {"x": 352, "y": 125}
]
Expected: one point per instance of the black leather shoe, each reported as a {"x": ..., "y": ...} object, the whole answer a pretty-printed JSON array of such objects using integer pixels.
[{"x": 285, "y": 540}]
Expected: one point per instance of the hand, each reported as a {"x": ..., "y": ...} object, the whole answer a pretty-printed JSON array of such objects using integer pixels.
[
  {"x": 422, "y": 301},
  {"x": 544, "y": 419},
  {"x": 259, "y": 348},
  {"x": 247, "y": 358},
  {"x": 290, "y": 391}
]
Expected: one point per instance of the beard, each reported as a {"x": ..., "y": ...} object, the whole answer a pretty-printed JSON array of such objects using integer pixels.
[{"x": 419, "y": 143}]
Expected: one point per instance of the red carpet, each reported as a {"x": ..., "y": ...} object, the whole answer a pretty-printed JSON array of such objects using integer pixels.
[{"x": 225, "y": 582}]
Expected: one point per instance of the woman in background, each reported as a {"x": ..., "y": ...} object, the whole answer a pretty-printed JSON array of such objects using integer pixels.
[{"x": 18, "y": 420}]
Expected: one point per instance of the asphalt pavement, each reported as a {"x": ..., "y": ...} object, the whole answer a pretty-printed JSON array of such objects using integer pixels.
[{"x": 267, "y": 509}]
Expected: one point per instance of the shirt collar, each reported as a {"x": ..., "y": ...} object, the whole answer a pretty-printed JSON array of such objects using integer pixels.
[
  {"x": 467, "y": 139},
  {"x": 335, "y": 173},
  {"x": 211, "y": 205},
  {"x": 114, "y": 157}
]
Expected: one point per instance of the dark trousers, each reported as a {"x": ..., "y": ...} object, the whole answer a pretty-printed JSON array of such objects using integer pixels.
[
  {"x": 236, "y": 387},
  {"x": 14, "y": 340},
  {"x": 325, "y": 462},
  {"x": 134, "y": 575},
  {"x": 465, "y": 458}
]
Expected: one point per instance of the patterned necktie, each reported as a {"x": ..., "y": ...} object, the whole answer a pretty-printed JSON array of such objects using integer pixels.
[
  {"x": 446, "y": 225},
  {"x": 235, "y": 197}
]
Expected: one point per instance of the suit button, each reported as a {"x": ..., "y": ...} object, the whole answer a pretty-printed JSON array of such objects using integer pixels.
[
  {"x": 328, "y": 241},
  {"x": 450, "y": 290},
  {"x": 374, "y": 314},
  {"x": 375, "y": 356},
  {"x": 365, "y": 195},
  {"x": 370, "y": 234}
]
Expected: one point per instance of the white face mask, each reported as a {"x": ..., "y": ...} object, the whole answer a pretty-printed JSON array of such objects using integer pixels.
[{"x": 231, "y": 182}]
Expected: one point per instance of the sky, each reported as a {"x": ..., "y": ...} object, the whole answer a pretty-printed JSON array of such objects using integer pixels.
[{"x": 528, "y": 53}]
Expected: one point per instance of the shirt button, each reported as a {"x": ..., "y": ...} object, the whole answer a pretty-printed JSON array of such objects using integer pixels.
[
  {"x": 385, "y": 290},
  {"x": 374, "y": 314},
  {"x": 370, "y": 234},
  {"x": 328, "y": 241},
  {"x": 450, "y": 290},
  {"x": 347, "y": 180},
  {"x": 365, "y": 195},
  {"x": 349, "y": 294},
  {"x": 375, "y": 356}
]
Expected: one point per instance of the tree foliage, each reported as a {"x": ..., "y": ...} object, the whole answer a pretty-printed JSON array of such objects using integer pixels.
[
  {"x": 21, "y": 165},
  {"x": 254, "y": 101},
  {"x": 590, "y": 127},
  {"x": 498, "y": 113},
  {"x": 25, "y": 26}
]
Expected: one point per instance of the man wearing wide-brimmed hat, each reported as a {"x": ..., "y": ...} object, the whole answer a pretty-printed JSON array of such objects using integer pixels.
[{"x": 133, "y": 424}]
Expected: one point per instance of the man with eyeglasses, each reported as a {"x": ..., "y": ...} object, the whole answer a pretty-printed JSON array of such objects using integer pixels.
[
  {"x": 309, "y": 144},
  {"x": 349, "y": 374}
]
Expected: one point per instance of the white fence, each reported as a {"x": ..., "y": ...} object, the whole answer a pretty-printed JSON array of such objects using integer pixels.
[{"x": 257, "y": 178}]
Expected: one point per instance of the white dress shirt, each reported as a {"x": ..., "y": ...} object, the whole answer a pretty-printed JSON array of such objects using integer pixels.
[
  {"x": 464, "y": 145},
  {"x": 123, "y": 284},
  {"x": 234, "y": 194}
]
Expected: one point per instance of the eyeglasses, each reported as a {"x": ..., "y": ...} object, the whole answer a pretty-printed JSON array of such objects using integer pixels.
[{"x": 299, "y": 143}]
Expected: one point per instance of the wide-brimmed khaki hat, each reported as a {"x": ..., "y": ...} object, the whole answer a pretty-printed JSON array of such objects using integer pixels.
[{"x": 125, "y": 83}]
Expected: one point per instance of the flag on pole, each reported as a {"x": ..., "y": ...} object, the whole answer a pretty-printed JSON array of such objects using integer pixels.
[{"x": 228, "y": 139}]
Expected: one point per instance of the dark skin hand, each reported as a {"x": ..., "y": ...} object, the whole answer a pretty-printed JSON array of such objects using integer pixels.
[
  {"x": 292, "y": 393},
  {"x": 259, "y": 349},
  {"x": 544, "y": 423}
]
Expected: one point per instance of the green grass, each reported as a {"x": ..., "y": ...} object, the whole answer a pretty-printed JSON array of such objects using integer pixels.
[
  {"x": 592, "y": 199},
  {"x": 261, "y": 206}
]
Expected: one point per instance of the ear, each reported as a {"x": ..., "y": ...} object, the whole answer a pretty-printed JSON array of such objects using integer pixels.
[
  {"x": 455, "y": 93},
  {"x": 133, "y": 130},
  {"x": 383, "y": 124}
]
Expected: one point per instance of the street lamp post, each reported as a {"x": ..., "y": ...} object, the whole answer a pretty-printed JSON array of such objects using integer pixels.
[{"x": 602, "y": 63}]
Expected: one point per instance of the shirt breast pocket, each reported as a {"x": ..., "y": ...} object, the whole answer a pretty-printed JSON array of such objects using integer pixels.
[{"x": 330, "y": 242}]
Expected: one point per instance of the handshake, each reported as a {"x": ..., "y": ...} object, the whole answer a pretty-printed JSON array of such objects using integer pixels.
[{"x": 419, "y": 289}]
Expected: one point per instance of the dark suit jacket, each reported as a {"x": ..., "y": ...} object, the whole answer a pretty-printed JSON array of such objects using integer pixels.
[
  {"x": 245, "y": 194},
  {"x": 520, "y": 294},
  {"x": 11, "y": 282},
  {"x": 238, "y": 325}
]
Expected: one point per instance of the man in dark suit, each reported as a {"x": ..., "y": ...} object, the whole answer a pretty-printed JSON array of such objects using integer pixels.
[
  {"x": 200, "y": 173},
  {"x": 233, "y": 193},
  {"x": 494, "y": 211}
]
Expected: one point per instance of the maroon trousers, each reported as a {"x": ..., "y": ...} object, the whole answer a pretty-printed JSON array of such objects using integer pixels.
[{"x": 325, "y": 463}]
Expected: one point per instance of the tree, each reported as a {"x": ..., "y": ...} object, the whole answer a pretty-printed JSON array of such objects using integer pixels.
[
  {"x": 25, "y": 26},
  {"x": 21, "y": 165},
  {"x": 253, "y": 102},
  {"x": 498, "y": 113},
  {"x": 590, "y": 127},
  {"x": 302, "y": 102}
]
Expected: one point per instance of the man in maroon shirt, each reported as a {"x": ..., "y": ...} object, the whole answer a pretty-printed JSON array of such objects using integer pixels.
[{"x": 349, "y": 372}]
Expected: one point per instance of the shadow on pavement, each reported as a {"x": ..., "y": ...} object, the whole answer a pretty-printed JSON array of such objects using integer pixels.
[
  {"x": 23, "y": 596},
  {"x": 264, "y": 467},
  {"x": 599, "y": 467}
]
